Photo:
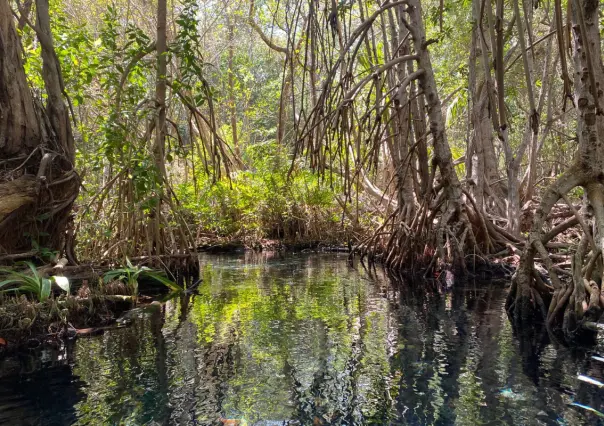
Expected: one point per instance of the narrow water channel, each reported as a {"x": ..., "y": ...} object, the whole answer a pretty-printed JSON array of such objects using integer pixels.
[{"x": 306, "y": 340}]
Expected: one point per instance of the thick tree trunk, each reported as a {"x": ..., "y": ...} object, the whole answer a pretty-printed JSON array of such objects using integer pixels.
[
  {"x": 20, "y": 131},
  {"x": 484, "y": 110},
  {"x": 400, "y": 126},
  {"x": 37, "y": 182},
  {"x": 573, "y": 305},
  {"x": 56, "y": 110},
  {"x": 443, "y": 228},
  {"x": 452, "y": 211},
  {"x": 481, "y": 151},
  {"x": 419, "y": 132},
  {"x": 440, "y": 230}
]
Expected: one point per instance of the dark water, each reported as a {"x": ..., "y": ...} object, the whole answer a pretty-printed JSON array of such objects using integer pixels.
[{"x": 306, "y": 340}]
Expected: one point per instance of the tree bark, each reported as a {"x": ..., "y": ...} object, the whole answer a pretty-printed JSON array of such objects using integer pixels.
[
  {"x": 38, "y": 184},
  {"x": 484, "y": 116},
  {"x": 159, "y": 146},
  {"x": 399, "y": 138},
  {"x": 56, "y": 110},
  {"x": 451, "y": 210},
  {"x": 20, "y": 130},
  {"x": 571, "y": 306}
]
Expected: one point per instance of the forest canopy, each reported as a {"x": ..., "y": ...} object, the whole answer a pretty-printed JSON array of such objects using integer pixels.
[{"x": 425, "y": 134}]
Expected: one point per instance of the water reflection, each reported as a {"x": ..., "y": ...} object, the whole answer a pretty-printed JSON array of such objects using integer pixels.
[{"x": 306, "y": 340}]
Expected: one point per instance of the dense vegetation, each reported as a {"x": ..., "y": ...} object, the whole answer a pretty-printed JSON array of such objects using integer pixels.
[{"x": 429, "y": 134}]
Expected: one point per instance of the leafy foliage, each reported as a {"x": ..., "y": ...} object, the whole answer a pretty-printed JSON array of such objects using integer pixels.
[
  {"x": 261, "y": 202},
  {"x": 34, "y": 283},
  {"x": 130, "y": 274}
]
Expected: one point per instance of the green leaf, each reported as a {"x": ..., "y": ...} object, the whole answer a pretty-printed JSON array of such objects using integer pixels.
[
  {"x": 45, "y": 290},
  {"x": 8, "y": 282},
  {"x": 164, "y": 280},
  {"x": 32, "y": 267},
  {"x": 61, "y": 282},
  {"x": 110, "y": 276},
  {"x": 12, "y": 290}
]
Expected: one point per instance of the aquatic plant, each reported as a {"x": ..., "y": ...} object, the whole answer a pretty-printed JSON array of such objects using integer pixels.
[
  {"x": 36, "y": 284},
  {"x": 131, "y": 274}
]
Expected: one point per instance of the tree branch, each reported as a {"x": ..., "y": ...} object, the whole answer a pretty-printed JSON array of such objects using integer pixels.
[{"x": 267, "y": 40}]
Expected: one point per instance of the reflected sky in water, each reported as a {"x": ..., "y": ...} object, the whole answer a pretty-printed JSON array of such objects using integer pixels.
[{"x": 307, "y": 340}]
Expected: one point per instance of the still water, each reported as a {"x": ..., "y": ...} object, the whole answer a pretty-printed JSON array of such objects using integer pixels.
[{"x": 307, "y": 340}]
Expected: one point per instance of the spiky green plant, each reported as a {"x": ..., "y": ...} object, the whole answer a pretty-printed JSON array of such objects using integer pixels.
[
  {"x": 131, "y": 274},
  {"x": 34, "y": 283}
]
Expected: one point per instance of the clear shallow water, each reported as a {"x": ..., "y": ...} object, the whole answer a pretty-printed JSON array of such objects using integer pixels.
[{"x": 306, "y": 340}]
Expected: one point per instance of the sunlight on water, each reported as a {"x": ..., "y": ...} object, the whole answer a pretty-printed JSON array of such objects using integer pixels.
[{"x": 307, "y": 340}]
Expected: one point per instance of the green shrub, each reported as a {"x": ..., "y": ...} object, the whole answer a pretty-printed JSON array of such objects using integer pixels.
[{"x": 264, "y": 200}]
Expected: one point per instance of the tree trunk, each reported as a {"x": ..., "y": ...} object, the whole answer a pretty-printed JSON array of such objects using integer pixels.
[
  {"x": 544, "y": 97},
  {"x": 484, "y": 116},
  {"x": 231, "y": 71},
  {"x": 398, "y": 141},
  {"x": 160, "y": 127},
  {"x": 37, "y": 182},
  {"x": 481, "y": 124},
  {"x": 56, "y": 110},
  {"x": 419, "y": 132},
  {"x": 575, "y": 305},
  {"x": 20, "y": 131},
  {"x": 441, "y": 230},
  {"x": 451, "y": 210}
]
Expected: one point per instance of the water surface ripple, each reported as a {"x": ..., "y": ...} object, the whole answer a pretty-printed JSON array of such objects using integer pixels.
[{"x": 307, "y": 340}]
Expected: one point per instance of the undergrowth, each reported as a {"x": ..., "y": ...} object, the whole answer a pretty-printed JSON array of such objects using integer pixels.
[{"x": 263, "y": 200}]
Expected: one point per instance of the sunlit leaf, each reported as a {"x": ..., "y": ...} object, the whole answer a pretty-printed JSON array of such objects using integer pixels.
[{"x": 62, "y": 283}]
